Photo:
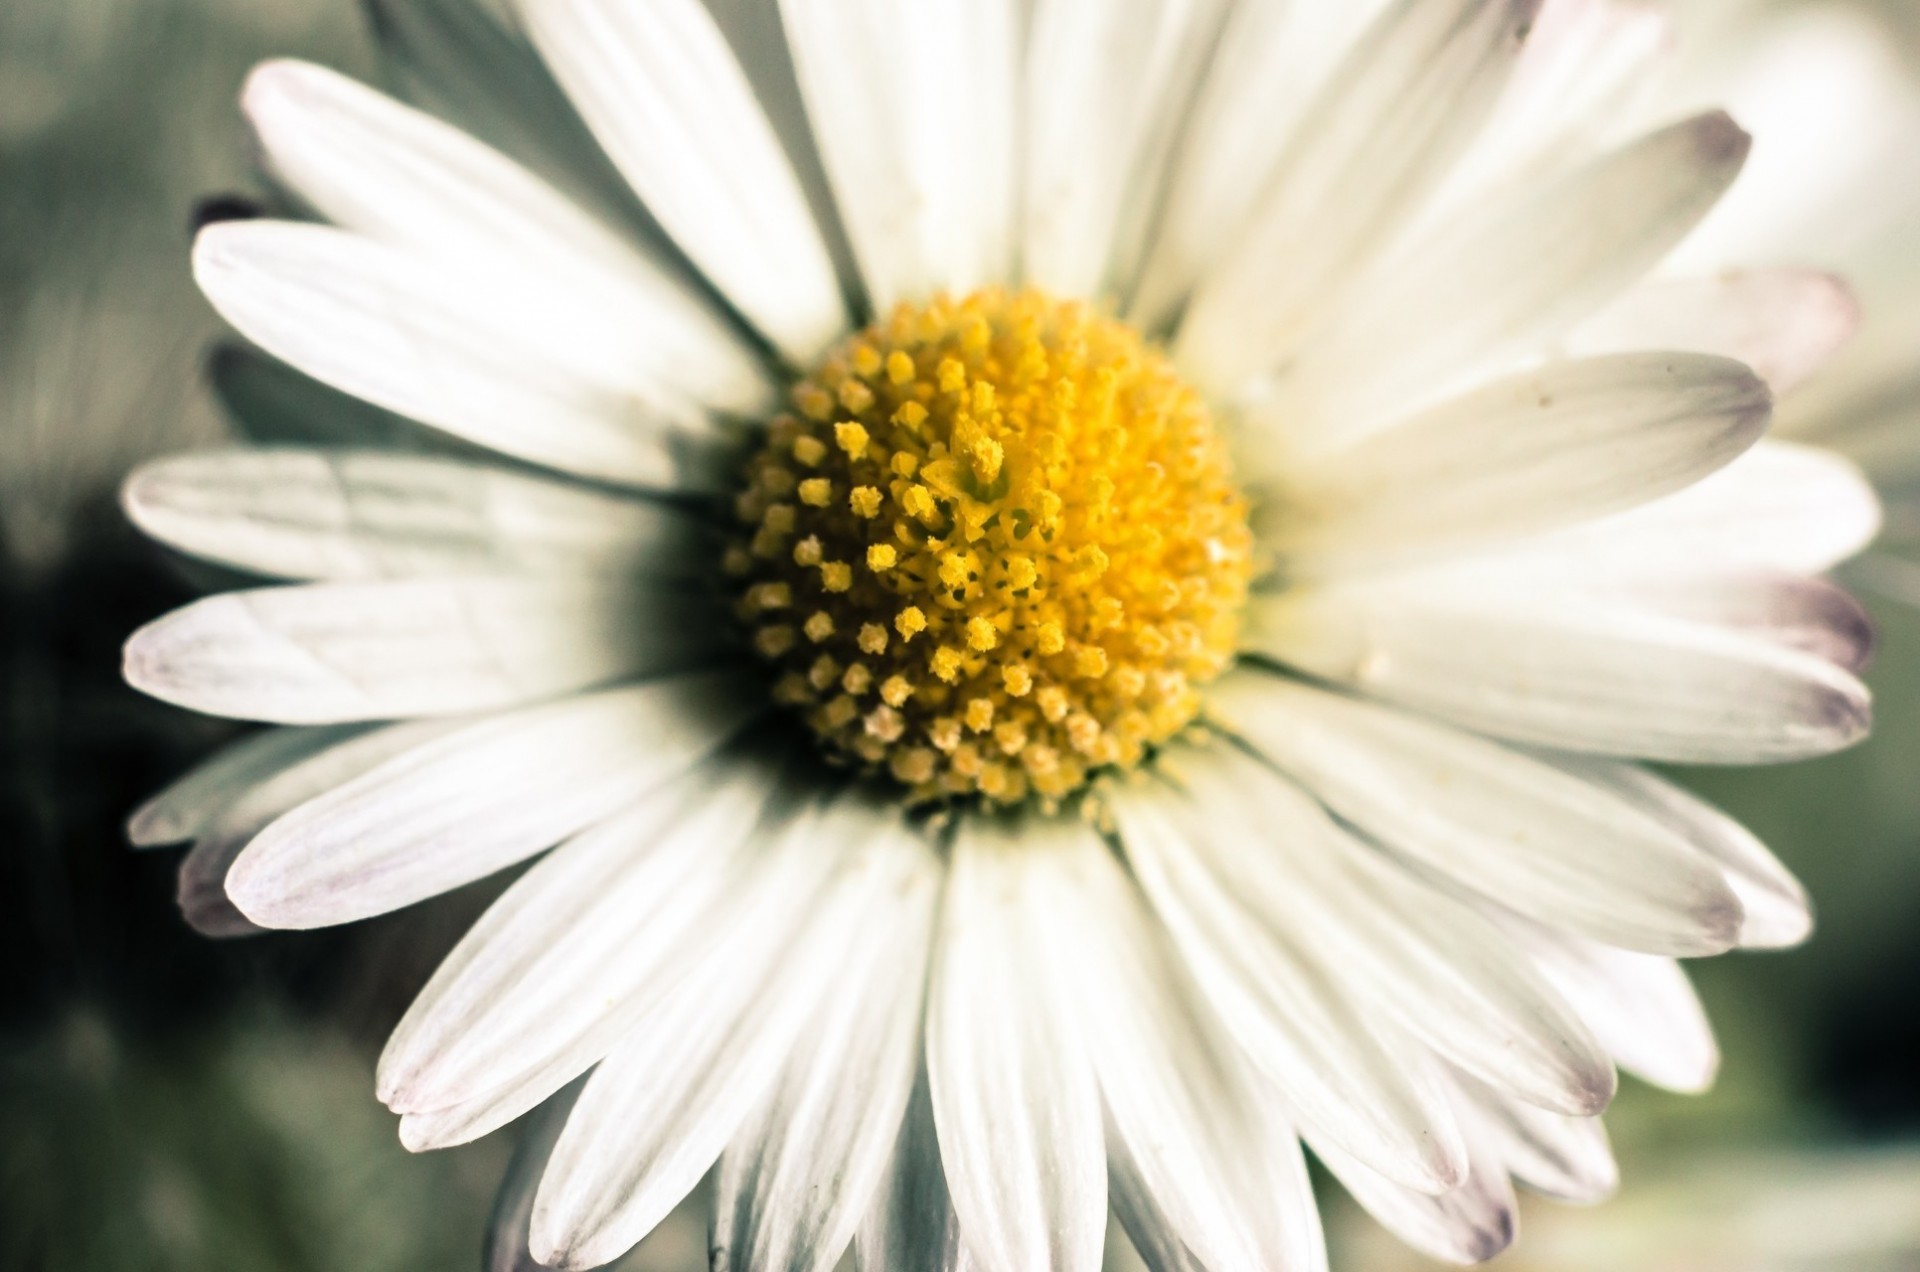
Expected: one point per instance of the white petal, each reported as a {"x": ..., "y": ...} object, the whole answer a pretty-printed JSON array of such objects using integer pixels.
[
  {"x": 1014, "y": 1096},
  {"x": 202, "y": 888},
  {"x": 1585, "y": 65},
  {"x": 1562, "y": 671},
  {"x": 339, "y": 514},
  {"x": 1500, "y": 280},
  {"x": 663, "y": 1104},
  {"x": 1272, "y": 59},
  {"x": 1106, "y": 85},
  {"x": 1361, "y": 1083},
  {"x": 1813, "y": 615},
  {"x": 1777, "y": 911},
  {"x": 1469, "y": 1224},
  {"x": 662, "y": 92},
  {"x": 1566, "y": 443},
  {"x": 1641, "y": 1007},
  {"x": 1195, "y": 1154},
  {"x": 1496, "y": 820},
  {"x": 1567, "y": 1158},
  {"x": 183, "y": 810},
  {"x": 1393, "y": 119},
  {"x": 911, "y": 1226},
  {"x": 913, "y": 109},
  {"x": 371, "y": 165},
  {"x": 802, "y": 1175},
  {"x": 500, "y": 366},
  {"x": 724, "y": 877},
  {"x": 1402, "y": 948},
  {"x": 556, "y": 963},
  {"x": 1784, "y": 323},
  {"x": 1780, "y": 506},
  {"x": 506, "y": 1247},
  {"x": 322, "y": 653},
  {"x": 480, "y": 799}
]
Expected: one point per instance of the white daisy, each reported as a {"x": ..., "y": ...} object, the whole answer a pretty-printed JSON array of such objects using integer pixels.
[{"x": 1228, "y": 580}]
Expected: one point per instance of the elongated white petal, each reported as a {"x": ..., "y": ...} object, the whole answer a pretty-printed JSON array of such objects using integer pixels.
[
  {"x": 1641, "y": 1007},
  {"x": 322, "y": 653},
  {"x": 1197, "y": 1157},
  {"x": 1562, "y": 671},
  {"x": 1404, "y": 950},
  {"x": 1568, "y": 1158},
  {"x": 1567, "y": 443},
  {"x": 508, "y": 369},
  {"x": 663, "y": 1104},
  {"x": 662, "y": 92},
  {"x": 1496, "y": 820},
  {"x": 1393, "y": 119},
  {"x": 1105, "y": 86},
  {"x": 1585, "y": 66},
  {"x": 341, "y": 757},
  {"x": 1813, "y": 615},
  {"x": 1776, "y": 909},
  {"x": 479, "y": 799},
  {"x": 1271, "y": 61},
  {"x": 1468, "y": 1224},
  {"x": 1014, "y": 1095},
  {"x": 1494, "y": 284},
  {"x": 557, "y": 959},
  {"x": 1784, "y": 323},
  {"x": 339, "y": 514},
  {"x": 1780, "y": 506},
  {"x": 803, "y": 1174},
  {"x": 1361, "y": 1083},
  {"x": 910, "y": 1226},
  {"x": 371, "y": 165},
  {"x": 190, "y": 803},
  {"x": 913, "y": 109},
  {"x": 506, "y": 1245}
]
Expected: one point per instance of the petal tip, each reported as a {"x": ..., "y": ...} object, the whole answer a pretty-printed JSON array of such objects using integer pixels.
[
  {"x": 258, "y": 892},
  {"x": 271, "y": 82},
  {"x": 1593, "y": 1090},
  {"x": 137, "y": 492},
  {"x": 153, "y": 825},
  {"x": 1494, "y": 1238},
  {"x": 563, "y": 1251},
  {"x": 1840, "y": 716},
  {"x": 415, "y": 1135},
  {"x": 143, "y": 661},
  {"x": 1721, "y": 142},
  {"x": 1718, "y": 916}
]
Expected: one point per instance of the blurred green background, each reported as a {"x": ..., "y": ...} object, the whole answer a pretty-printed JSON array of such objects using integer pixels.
[{"x": 167, "y": 1101}]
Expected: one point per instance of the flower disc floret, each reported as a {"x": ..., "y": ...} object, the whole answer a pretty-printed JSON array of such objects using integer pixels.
[{"x": 995, "y": 548}]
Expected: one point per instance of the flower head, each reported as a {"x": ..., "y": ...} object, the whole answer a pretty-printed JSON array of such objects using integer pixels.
[
  {"x": 1228, "y": 583},
  {"x": 1009, "y": 536}
]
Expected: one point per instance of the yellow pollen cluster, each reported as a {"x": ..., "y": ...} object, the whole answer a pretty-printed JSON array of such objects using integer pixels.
[{"x": 995, "y": 547}]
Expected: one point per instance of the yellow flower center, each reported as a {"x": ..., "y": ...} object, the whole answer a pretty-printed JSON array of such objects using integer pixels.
[{"x": 995, "y": 549}]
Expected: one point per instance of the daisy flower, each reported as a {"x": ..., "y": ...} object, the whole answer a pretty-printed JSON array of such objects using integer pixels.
[{"x": 1071, "y": 598}]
